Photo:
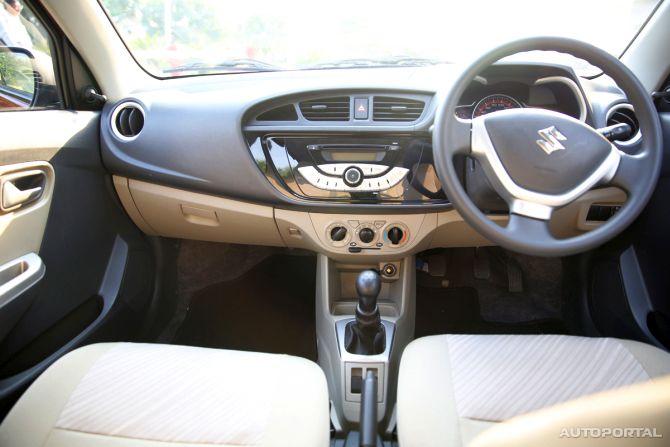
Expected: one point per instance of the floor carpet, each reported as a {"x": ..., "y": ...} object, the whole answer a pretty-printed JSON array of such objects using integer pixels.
[
  {"x": 457, "y": 311},
  {"x": 464, "y": 300},
  {"x": 268, "y": 309}
]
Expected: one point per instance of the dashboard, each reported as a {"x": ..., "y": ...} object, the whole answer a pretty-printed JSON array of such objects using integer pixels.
[{"x": 337, "y": 161}]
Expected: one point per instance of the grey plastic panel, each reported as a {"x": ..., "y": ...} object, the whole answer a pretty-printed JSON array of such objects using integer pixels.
[{"x": 636, "y": 292}]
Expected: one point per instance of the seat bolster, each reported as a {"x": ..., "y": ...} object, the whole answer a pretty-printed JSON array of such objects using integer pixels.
[
  {"x": 300, "y": 413},
  {"x": 426, "y": 408},
  {"x": 33, "y": 417},
  {"x": 641, "y": 410},
  {"x": 655, "y": 361}
]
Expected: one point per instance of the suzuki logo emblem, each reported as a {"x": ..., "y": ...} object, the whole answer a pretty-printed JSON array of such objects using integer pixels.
[{"x": 551, "y": 139}]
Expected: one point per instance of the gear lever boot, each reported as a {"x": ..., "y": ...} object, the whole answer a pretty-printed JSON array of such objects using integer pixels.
[{"x": 366, "y": 335}]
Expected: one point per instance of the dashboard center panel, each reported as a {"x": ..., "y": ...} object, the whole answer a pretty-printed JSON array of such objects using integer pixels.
[{"x": 350, "y": 168}]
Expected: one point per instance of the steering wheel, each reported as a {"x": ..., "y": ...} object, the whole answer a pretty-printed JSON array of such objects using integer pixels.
[{"x": 539, "y": 160}]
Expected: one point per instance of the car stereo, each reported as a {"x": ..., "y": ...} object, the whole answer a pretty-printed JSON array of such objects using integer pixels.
[{"x": 396, "y": 168}]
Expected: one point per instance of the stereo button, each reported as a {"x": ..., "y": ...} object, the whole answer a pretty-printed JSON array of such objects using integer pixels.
[{"x": 352, "y": 176}]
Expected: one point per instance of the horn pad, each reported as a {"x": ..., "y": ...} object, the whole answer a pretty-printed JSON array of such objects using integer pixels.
[{"x": 544, "y": 151}]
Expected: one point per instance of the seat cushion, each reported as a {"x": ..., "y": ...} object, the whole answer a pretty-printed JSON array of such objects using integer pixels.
[
  {"x": 126, "y": 394},
  {"x": 453, "y": 387}
]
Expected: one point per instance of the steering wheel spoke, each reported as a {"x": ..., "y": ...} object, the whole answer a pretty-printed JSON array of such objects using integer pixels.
[
  {"x": 527, "y": 228},
  {"x": 460, "y": 137},
  {"x": 631, "y": 168}
]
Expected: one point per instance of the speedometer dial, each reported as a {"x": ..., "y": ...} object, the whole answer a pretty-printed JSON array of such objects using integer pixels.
[{"x": 493, "y": 103}]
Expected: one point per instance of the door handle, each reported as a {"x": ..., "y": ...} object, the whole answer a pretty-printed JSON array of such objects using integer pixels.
[
  {"x": 19, "y": 275},
  {"x": 21, "y": 188}
]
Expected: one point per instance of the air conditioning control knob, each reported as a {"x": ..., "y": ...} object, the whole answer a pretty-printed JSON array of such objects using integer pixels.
[
  {"x": 366, "y": 235},
  {"x": 338, "y": 234},
  {"x": 395, "y": 235}
]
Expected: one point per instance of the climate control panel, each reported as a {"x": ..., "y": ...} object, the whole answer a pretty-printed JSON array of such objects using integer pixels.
[{"x": 367, "y": 235}]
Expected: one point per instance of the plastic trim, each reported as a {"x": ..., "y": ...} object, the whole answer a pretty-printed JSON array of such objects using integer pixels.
[
  {"x": 115, "y": 114},
  {"x": 575, "y": 89},
  {"x": 635, "y": 138}
]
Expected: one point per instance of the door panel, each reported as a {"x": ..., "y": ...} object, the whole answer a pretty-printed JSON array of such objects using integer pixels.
[{"x": 98, "y": 267}]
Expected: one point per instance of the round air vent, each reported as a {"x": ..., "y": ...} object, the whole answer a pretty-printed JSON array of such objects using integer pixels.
[
  {"x": 624, "y": 113},
  {"x": 127, "y": 120}
]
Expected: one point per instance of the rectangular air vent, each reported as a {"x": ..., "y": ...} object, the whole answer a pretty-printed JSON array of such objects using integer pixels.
[
  {"x": 601, "y": 213},
  {"x": 326, "y": 109},
  {"x": 385, "y": 108},
  {"x": 283, "y": 113}
]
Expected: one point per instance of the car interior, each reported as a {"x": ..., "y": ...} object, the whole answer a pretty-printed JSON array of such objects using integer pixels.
[{"x": 356, "y": 224}]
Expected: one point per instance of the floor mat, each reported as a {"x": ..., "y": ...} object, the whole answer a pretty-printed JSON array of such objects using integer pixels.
[
  {"x": 457, "y": 311},
  {"x": 270, "y": 308},
  {"x": 475, "y": 294}
]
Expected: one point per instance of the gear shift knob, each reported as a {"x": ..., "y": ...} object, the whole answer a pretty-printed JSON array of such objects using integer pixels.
[
  {"x": 368, "y": 285},
  {"x": 366, "y": 335}
]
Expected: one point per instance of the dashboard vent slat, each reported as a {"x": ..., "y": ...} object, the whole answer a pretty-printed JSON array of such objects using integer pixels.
[
  {"x": 326, "y": 109},
  {"x": 282, "y": 113},
  {"x": 624, "y": 114},
  {"x": 386, "y": 108},
  {"x": 128, "y": 120}
]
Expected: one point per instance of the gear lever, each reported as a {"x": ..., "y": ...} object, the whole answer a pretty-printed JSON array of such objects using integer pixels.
[{"x": 366, "y": 336}]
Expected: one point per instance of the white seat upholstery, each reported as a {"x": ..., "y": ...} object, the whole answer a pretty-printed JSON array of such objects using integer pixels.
[
  {"x": 453, "y": 387},
  {"x": 125, "y": 394}
]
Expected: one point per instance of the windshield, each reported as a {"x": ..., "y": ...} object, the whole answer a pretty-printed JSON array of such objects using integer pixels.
[{"x": 186, "y": 37}]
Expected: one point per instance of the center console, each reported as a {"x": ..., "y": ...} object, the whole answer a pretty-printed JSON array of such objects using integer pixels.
[{"x": 364, "y": 320}]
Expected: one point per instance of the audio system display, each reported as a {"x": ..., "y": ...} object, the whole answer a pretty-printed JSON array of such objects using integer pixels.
[
  {"x": 353, "y": 155},
  {"x": 350, "y": 168}
]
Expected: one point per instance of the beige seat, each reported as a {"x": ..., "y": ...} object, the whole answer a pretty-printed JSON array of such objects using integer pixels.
[
  {"x": 451, "y": 388},
  {"x": 636, "y": 415},
  {"x": 143, "y": 395}
]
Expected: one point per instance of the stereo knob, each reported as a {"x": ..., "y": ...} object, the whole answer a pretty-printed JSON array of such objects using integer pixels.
[
  {"x": 366, "y": 235},
  {"x": 395, "y": 235},
  {"x": 338, "y": 234},
  {"x": 352, "y": 176}
]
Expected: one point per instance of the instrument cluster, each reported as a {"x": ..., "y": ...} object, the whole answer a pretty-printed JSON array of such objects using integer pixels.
[
  {"x": 487, "y": 95},
  {"x": 488, "y": 104}
]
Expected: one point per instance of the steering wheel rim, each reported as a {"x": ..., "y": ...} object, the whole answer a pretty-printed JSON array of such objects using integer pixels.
[{"x": 635, "y": 174}]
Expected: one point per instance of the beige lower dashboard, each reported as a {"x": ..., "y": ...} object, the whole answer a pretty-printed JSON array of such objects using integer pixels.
[{"x": 170, "y": 212}]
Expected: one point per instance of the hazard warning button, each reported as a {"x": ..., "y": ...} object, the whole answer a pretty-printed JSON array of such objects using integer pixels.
[{"x": 361, "y": 108}]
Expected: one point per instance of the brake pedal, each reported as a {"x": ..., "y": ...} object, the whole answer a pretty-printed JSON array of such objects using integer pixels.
[
  {"x": 437, "y": 265},
  {"x": 514, "y": 276},
  {"x": 482, "y": 264}
]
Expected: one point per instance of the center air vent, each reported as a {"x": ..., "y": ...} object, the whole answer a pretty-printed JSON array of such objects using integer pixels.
[
  {"x": 282, "y": 113},
  {"x": 326, "y": 109},
  {"x": 128, "y": 120},
  {"x": 386, "y": 108},
  {"x": 623, "y": 113}
]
